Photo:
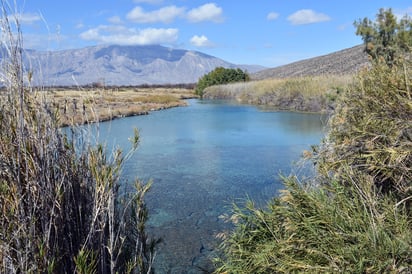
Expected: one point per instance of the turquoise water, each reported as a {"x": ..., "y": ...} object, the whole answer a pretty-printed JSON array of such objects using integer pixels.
[{"x": 202, "y": 158}]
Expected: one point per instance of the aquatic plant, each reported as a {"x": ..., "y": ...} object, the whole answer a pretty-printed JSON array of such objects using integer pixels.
[{"x": 371, "y": 131}]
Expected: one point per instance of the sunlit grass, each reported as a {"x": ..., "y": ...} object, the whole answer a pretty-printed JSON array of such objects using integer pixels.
[
  {"x": 316, "y": 92},
  {"x": 80, "y": 106}
]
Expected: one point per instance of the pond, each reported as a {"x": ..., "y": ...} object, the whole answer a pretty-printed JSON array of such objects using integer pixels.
[{"x": 202, "y": 158}]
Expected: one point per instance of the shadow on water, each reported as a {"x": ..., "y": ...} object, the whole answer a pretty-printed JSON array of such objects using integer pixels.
[{"x": 201, "y": 159}]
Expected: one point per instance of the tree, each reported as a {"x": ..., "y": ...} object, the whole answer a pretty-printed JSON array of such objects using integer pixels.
[
  {"x": 386, "y": 37},
  {"x": 219, "y": 76}
]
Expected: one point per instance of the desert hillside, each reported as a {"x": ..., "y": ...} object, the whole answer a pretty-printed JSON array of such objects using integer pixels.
[{"x": 340, "y": 62}]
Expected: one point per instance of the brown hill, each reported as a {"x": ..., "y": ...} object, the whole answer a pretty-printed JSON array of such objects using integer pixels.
[{"x": 340, "y": 62}]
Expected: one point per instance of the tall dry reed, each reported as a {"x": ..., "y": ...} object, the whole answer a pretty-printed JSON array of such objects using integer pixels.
[{"x": 59, "y": 195}]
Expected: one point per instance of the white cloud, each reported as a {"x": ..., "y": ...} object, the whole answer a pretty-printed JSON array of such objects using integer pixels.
[
  {"x": 115, "y": 20},
  {"x": 207, "y": 12},
  {"x": 201, "y": 41},
  {"x": 345, "y": 26},
  {"x": 130, "y": 36},
  {"x": 272, "y": 16},
  {"x": 306, "y": 16},
  {"x": 165, "y": 15}
]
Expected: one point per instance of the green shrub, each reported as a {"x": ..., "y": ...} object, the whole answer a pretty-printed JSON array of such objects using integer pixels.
[
  {"x": 218, "y": 76},
  {"x": 386, "y": 37}
]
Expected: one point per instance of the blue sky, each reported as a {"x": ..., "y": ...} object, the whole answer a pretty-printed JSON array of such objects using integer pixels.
[{"x": 263, "y": 32}]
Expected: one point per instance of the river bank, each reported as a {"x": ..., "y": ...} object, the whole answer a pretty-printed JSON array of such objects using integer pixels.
[
  {"x": 77, "y": 107},
  {"x": 304, "y": 94},
  {"x": 315, "y": 94}
]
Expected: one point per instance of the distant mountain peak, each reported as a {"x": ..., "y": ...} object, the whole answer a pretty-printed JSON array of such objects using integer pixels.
[{"x": 122, "y": 65}]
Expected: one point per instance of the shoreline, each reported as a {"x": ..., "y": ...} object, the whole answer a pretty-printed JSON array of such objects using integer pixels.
[
  {"x": 76, "y": 120},
  {"x": 80, "y": 107},
  {"x": 85, "y": 107}
]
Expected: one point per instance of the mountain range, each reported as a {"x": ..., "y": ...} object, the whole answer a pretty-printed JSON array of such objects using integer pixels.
[{"x": 122, "y": 65}]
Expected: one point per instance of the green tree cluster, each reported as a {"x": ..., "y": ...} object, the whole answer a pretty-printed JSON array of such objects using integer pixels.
[
  {"x": 386, "y": 37},
  {"x": 219, "y": 76},
  {"x": 355, "y": 215}
]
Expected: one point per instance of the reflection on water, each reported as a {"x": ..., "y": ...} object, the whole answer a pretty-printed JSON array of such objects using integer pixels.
[{"x": 201, "y": 159}]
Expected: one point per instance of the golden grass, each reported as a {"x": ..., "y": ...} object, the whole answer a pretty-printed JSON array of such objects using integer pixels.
[
  {"x": 309, "y": 86},
  {"x": 310, "y": 93},
  {"x": 81, "y": 106}
]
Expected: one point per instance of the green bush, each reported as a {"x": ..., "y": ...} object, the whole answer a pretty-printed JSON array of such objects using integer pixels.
[{"x": 218, "y": 76}]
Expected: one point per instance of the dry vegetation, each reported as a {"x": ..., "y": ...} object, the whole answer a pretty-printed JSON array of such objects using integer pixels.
[
  {"x": 60, "y": 199},
  {"x": 309, "y": 93},
  {"x": 85, "y": 106}
]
